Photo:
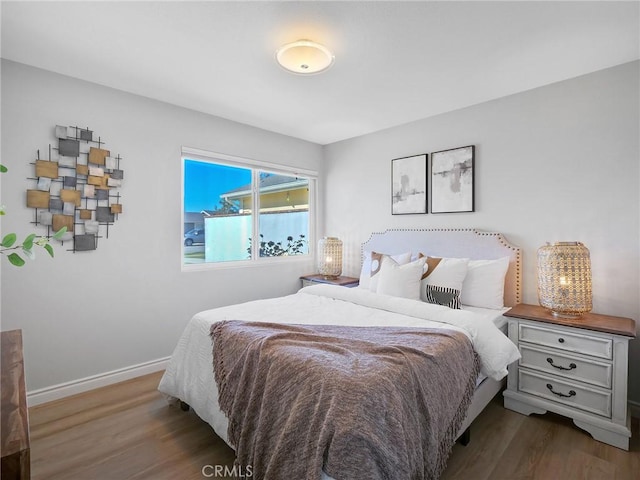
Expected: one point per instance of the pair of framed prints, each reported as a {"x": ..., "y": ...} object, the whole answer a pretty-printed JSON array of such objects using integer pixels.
[{"x": 451, "y": 174}]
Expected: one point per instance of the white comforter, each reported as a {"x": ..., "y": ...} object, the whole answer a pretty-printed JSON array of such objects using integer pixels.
[{"x": 189, "y": 375}]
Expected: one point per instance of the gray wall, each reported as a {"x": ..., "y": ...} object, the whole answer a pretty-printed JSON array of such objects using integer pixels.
[
  {"x": 127, "y": 302},
  {"x": 556, "y": 163}
]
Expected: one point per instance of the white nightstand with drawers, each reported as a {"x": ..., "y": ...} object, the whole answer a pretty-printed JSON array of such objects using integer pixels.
[{"x": 573, "y": 367}]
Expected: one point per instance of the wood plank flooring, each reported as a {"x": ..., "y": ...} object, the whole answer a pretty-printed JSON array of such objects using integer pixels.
[{"x": 128, "y": 431}]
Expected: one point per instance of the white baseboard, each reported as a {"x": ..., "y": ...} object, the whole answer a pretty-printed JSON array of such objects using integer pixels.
[
  {"x": 62, "y": 390},
  {"x": 634, "y": 408}
]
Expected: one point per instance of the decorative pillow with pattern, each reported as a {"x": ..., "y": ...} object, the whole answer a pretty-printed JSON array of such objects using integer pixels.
[
  {"x": 371, "y": 267},
  {"x": 442, "y": 282}
]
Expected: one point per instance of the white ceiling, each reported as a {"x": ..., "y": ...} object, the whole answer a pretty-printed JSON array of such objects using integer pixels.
[{"x": 395, "y": 61}]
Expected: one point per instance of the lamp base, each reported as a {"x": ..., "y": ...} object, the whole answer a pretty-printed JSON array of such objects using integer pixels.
[{"x": 565, "y": 314}]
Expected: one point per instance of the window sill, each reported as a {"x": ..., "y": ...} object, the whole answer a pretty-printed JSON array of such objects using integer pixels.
[{"x": 262, "y": 262}]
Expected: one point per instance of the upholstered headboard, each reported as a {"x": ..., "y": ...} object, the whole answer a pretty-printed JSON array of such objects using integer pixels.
[{"x": 460, "y": 243}]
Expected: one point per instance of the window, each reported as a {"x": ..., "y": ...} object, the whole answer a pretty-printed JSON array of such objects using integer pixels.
[{"x": 242, "y": 211}]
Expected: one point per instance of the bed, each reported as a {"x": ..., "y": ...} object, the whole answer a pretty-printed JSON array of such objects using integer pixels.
[{"x": 326, "y": 311}]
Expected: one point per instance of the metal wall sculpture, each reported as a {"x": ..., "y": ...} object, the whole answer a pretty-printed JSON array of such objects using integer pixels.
[{"x": 76, "y": 187}]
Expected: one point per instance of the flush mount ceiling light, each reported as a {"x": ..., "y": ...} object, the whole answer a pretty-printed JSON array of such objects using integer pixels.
[{"x": 304, "y": 57}]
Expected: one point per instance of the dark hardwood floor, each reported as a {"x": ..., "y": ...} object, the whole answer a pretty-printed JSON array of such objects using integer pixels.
[{"x": 128, "y": 431}]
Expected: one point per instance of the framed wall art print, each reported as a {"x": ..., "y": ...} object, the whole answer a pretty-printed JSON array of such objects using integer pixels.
[
  {"x": 409, "y": 185},
  {"x": 452, "y": 178}
]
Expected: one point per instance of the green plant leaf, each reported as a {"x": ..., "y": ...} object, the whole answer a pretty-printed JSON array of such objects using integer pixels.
[
  {"x": 16, "y": 260},
  {"x": 59, "y": 233},
  {"x": 49, "y": 249},
  {"x": 28, "y": 242},
  {"x": 3, "y": 169},
  {"x": 9, "y": 240}
]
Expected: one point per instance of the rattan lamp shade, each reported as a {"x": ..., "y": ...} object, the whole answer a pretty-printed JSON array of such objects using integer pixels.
[
  {"x": 330, "y": 257},
  {"x": 564, "y": 278}
]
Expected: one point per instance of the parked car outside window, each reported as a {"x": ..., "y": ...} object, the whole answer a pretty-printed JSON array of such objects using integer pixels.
[{"x": 194, "y": 236}]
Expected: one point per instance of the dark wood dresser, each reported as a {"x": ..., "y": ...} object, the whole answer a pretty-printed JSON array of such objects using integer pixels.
[{"x": 15, "y": 416}]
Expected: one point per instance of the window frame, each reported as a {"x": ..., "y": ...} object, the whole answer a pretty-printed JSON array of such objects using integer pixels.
[{"x": 256, "y": 166}]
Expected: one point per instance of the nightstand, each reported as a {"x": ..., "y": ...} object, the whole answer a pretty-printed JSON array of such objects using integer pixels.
[
  {"x": 576, "y": 367},
  {"x": 341, "y": 281}
]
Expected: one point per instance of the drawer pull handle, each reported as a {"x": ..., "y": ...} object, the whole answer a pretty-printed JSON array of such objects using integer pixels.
[
  {"x": 560, "y": 367},
  {"x": 561, "y": 340},
  {"x": 564, "y": 395}
]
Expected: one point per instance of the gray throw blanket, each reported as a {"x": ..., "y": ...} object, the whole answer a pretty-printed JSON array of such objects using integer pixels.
[{"x": 361, "y": 402}]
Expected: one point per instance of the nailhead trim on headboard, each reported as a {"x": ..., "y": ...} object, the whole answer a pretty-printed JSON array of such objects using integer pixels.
[{"x": 515, "y": 254}]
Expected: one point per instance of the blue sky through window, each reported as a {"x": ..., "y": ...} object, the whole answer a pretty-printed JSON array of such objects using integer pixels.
[{"x": 204, "y": 182}]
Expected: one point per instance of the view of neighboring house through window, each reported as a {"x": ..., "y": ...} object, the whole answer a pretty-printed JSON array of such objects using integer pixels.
[{"x": 243, "y": 213}]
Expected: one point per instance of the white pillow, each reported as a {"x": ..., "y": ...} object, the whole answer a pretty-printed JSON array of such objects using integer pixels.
[
  {"x": 442, "y": 283},
  {"x": 484, "y": 284},
  {"x": 401, "y": 280},
  {"x": 369, "y": 267}
]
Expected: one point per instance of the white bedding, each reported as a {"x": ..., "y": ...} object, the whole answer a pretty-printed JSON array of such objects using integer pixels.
[{"x": 189, "y": 375}]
